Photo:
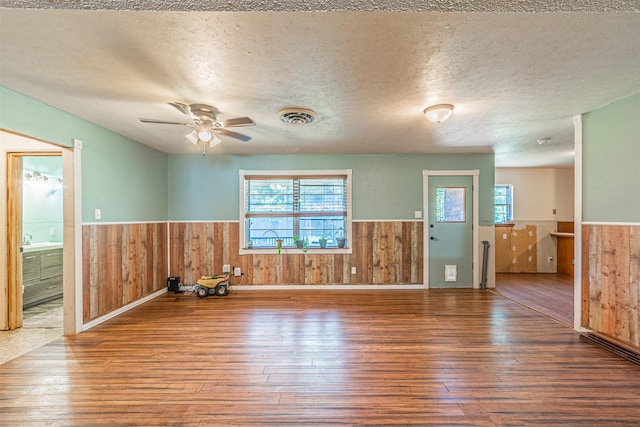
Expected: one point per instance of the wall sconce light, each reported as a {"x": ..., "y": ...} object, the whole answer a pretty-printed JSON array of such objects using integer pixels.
[{"x": 438, "y": 113}]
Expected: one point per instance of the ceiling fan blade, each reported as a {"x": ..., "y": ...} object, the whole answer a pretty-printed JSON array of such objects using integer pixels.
[
  {"x": 232, "y": 134},
  {"x": 183, "y": 108},
  {"x": 238, "y": 121},
  {"x": 162, "y": 122}
]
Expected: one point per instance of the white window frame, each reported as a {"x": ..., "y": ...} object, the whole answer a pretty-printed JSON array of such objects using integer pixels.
[
  {"x": 510, "y": 219},
  {"x": 324, "y": 172}
]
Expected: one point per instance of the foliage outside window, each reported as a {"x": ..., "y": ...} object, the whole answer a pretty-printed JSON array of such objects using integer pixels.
[
  {"x": 295, "y": 206},
  {"x": 503, "y": 204},
  {"x": 451, "y": 204}
]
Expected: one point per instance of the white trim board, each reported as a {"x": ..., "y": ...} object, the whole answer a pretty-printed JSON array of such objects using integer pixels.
[
  {"x": 345, "y": 287},
  {"x": 121, "y": 310}
]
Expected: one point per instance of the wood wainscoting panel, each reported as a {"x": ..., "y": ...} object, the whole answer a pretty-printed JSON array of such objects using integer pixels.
[
  {"x": 121, "y": 264},
  {"x": 388, "y": 252},
  {"x": 611, "y": 282}
]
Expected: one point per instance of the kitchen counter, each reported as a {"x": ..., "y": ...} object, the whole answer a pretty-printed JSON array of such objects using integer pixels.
[{"x": 41, "y": 246}]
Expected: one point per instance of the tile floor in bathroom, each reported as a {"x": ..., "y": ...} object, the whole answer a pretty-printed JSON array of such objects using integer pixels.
[{"x": 42, "y": 324}]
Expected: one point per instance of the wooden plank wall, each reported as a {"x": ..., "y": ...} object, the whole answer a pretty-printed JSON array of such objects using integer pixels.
[
  {"x": 121, "y": 264},
  {"x": 382, "y": 252},
  {"x": 518, "y": 253},
  {"x": 611, "y": 282}
]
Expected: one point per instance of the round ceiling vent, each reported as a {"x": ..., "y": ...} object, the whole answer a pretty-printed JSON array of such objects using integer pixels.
[{"x": 297, "y": 116}]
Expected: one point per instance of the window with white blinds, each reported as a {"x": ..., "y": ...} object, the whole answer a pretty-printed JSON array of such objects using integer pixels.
[{"x": 304, "y": 206}]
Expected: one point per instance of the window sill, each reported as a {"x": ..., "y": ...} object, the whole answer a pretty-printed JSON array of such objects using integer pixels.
[{"x": 293, "y": 251}]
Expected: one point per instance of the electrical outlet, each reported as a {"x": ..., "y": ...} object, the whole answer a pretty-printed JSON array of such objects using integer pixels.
[
  {"x": 226, "y": 268},
  {"x": 52, "y": 231},
  {"x": 353, "y": 270},
  {"x": 237, "y": 272},
  {"x": 97, "y": 214}
]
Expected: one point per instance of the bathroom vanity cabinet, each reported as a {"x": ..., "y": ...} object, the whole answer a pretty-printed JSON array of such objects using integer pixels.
[{"x": 41, "y": 273}]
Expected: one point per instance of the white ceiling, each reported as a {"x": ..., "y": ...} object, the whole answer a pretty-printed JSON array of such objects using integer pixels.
[{"x": 513, "y": 77}]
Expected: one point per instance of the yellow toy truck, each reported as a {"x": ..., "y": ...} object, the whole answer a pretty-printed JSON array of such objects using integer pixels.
[{"x": 212, "y": 285}]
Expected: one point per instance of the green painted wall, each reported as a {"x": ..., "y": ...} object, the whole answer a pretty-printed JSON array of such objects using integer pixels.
[
  {"x": 611, "y": 162},
  {"x": 385, "y": 187},
  {"x": 132, "y": 182},
  {"x": 125, "y": 179}
]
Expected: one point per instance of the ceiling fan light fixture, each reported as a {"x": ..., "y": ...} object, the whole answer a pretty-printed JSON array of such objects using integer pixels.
[
  {"x": 192, "y": 137},
  {"x": 205, "y": 134},
  {"x": 438, "y": 113},
  {"x": 214, "y": 141}
]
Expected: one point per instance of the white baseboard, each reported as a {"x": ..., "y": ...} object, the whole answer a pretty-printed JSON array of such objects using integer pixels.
[
  {"x": 121, "y": 310},
  {"x": 321, "y": 287}
]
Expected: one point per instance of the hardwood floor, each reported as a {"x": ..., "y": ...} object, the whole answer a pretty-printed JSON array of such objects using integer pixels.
[
  {"x": 437, "y": 357},
  {"x": 546, "y": 293}
]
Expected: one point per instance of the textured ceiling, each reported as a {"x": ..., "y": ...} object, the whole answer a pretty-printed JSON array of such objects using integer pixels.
[
  {"x": 337, "y": 5},
  {"x": 513, "y": 77}
]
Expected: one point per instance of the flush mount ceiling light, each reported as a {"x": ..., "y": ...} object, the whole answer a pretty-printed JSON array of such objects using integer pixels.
[
  {"x": 297, "y": 116},
  {"x": 438, "y": 113},
  {"x": 544, "y": 141}
]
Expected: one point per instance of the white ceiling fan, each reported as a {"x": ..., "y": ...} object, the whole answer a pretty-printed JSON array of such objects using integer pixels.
[{"x": 204, "y": 118}]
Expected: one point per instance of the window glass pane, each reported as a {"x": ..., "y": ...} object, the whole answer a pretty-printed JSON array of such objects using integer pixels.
[
  {"x": 295, "y": 208},
  {"x": 503, "y": 204},
  {"x": 450, "y": 204},
  {"x": 322, "y": 195},
  {"x": 262, "y": 231},
  {"x": 270, "y": 195},
  {"x": 329, "y": 227}
]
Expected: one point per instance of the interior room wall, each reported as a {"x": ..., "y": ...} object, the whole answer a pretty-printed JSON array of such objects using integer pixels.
[
  {"x": 385, "y": 187},
  {"x": 611, "y": 221},
  {"x": 134, "y": 185},
  {"x": 541, "y": 198},
  {"x": 125, "y": 179}
]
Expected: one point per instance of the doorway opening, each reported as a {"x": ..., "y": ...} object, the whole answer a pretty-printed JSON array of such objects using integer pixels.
[
  {"x": 50, "y": 238},
  {"x": 534, "y": 241},
  {"x": 42, "y": 245}
]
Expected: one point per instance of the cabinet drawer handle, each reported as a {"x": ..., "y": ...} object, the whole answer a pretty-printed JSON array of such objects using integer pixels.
[
  {"x": 51, "y": 254},
  {"x": 30, "y": 257},
  {"x": 51, "y": 287}
]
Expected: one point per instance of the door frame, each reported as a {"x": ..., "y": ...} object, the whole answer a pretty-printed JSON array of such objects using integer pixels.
[
  {"x": 72, "y": 232},
  {"x": 475, "y": 174}
]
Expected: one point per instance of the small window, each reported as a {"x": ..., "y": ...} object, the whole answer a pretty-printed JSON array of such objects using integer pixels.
[
  {"x": 503, "y": 207},
  {"x": 286, "y": 208},
  {"x": 451, "y": 204}
]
